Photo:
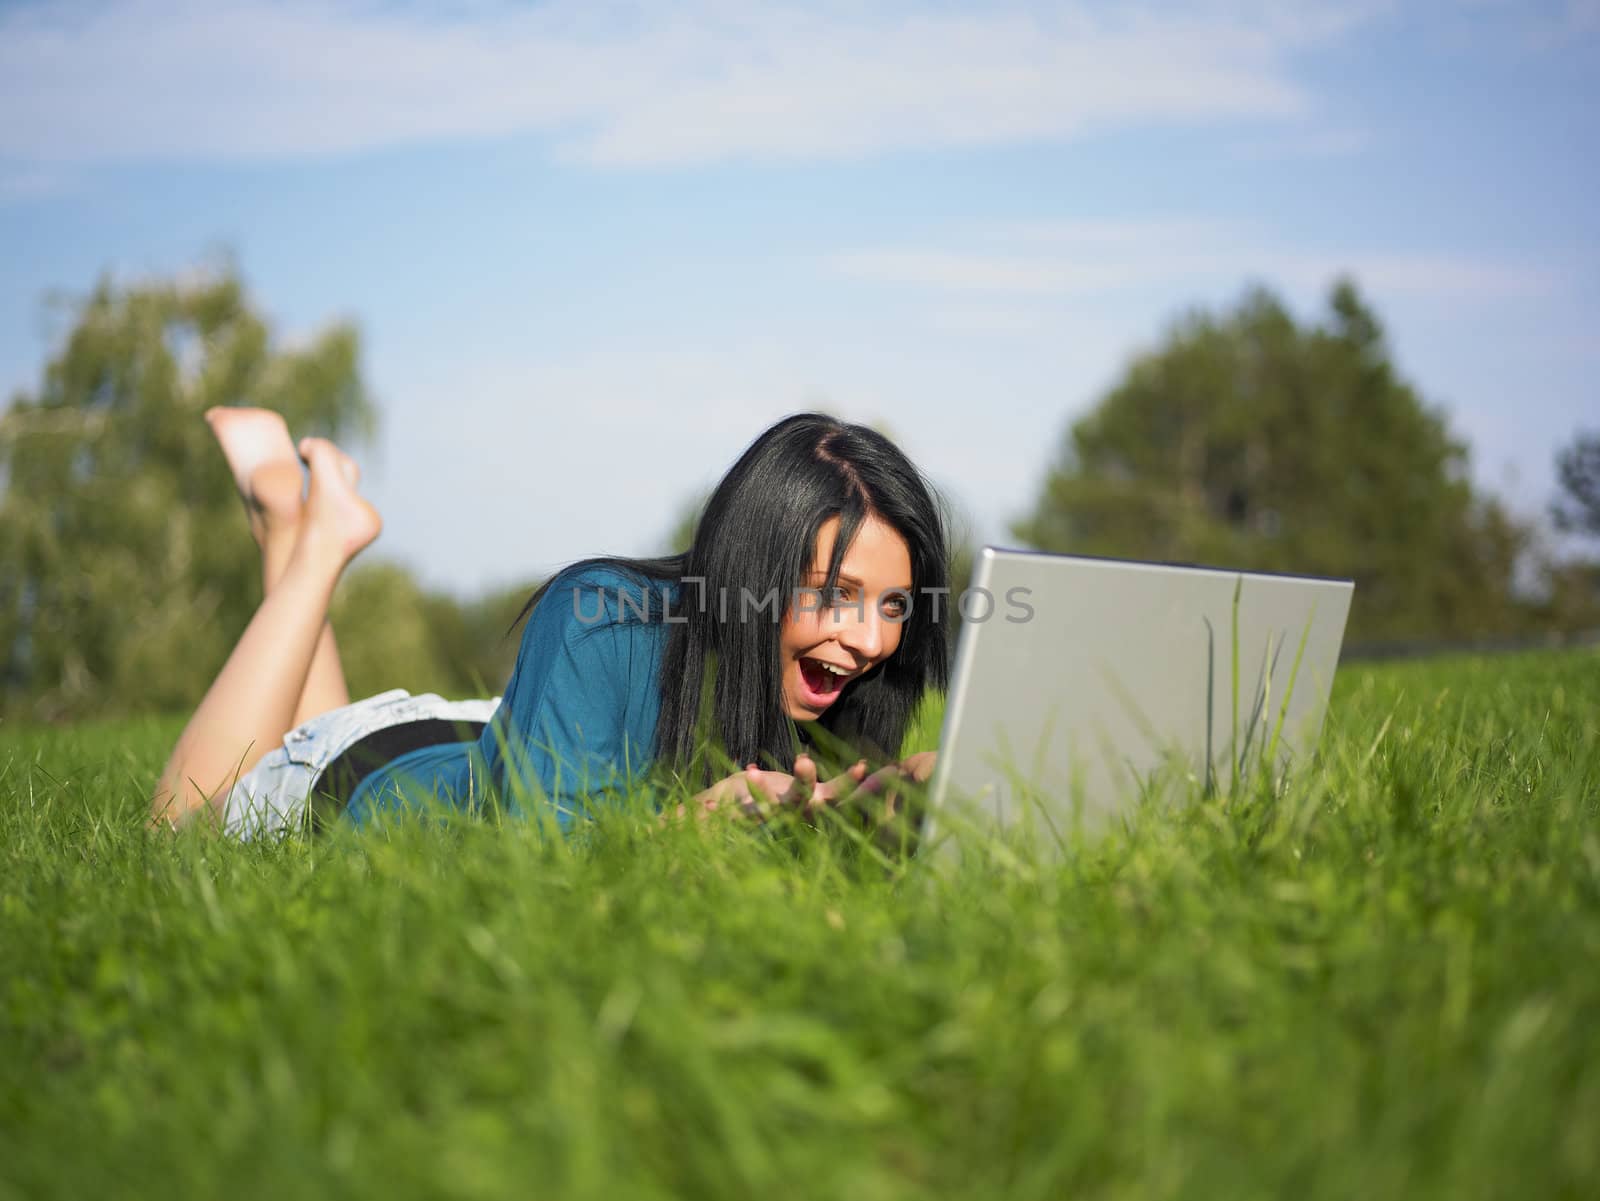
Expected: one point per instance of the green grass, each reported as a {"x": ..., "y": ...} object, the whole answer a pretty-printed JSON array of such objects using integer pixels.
[{"x": 1385, "y": 983}]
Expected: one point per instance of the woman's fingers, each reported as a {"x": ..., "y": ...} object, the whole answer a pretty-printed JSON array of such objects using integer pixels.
[
  {"x": 803, "y": 789},
  {"x": 919, "y": 767},
  {"x": 750, "y": 796},
  {"x": 757, "y": 793},
  {"x": 762, "y": 792},
  {"x": 835, "y": 790}
]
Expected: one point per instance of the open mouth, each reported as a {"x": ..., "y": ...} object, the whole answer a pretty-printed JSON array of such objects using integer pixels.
[{"x": 822, "y": 681}]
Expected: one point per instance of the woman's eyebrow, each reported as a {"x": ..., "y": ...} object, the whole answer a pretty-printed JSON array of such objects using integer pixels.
[{"x": 850, "y": 579}]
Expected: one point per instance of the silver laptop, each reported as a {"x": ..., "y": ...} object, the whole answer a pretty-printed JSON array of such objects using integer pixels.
[{"x": 1083, "y": 685}]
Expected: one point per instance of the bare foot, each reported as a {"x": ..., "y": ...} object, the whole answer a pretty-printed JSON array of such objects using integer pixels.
[
  {"x": 333, "y": 506},
  {"x": 265, "y": 466}
]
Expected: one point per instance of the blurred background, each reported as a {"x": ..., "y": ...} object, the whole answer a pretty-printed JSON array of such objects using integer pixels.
[{"x": 1292, "y": 286}]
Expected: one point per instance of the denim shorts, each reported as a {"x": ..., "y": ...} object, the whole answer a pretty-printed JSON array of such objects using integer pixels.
[{"x": 271, "y": 796}]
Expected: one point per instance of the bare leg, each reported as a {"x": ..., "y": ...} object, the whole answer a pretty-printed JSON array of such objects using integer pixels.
[
  {"x": 266, "y": 468},
  {"x": 251, "y": 704}
]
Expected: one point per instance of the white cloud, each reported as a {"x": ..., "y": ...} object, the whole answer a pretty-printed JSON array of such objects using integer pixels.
[
  {"x": 992, "y": 320},
  {"x": 1437, "y": 275},
  {"x": 30, "y": 182},
  {"x": 1069, "y": 259},
  {"x": 974, "y": 272},
  {"x": 1304, "y": 144},
  {"x": 620, "y": 84}
]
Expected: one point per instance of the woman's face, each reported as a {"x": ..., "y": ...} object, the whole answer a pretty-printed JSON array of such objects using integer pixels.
[{"x": 827, "y": 641}]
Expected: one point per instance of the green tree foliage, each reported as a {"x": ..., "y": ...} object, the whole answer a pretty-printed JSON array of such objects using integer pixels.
[
  {"x": 1571, "y": 581},
  {"x": 126, "y": 570},
  {"x": 477, "y": 636},
  {"x": 430, "y": 642},
  {"x": 1578, "y": 471},
  {"x": 1249, "y": 440}
]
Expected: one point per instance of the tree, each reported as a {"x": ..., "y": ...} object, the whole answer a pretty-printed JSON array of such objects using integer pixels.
[
  {"x": 126, "y": 572},
  {"x": 476, "y": 638},
  {"x": 1248, "y": 440},
  {"x": 1577, "y": 510},
  {"x": 1570, "y": 582},
  {"x": 430, "y": 641}
]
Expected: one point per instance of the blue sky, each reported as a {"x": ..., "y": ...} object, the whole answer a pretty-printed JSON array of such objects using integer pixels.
[{"x": 594, "y": 248}]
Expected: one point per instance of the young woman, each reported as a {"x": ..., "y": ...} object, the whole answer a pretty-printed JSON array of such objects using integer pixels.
[{"x": 792, "y": 622}]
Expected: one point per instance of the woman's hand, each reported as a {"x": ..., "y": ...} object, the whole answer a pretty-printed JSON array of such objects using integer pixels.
[
  {"x": 893, "y": 795},
  {"x": 758, "y": 793},
  {"x": 917, "y": 769}
]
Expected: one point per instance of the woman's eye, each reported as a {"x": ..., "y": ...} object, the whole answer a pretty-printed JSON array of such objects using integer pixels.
[{"x": 838, "y": 596}]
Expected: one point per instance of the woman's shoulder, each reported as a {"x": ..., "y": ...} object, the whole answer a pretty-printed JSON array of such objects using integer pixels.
[
  {"x": 590, "y": 595},
  {"x": 603, "y": 573}
]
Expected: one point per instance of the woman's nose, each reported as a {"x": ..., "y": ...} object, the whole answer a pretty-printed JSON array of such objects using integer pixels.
[{"x": 862, "y": 634}]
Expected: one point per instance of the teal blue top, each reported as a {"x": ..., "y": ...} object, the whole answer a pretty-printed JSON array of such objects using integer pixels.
[{"x": 578, "y": 717}]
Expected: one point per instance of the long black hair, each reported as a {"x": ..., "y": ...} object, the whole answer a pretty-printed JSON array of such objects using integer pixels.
[{"x": 757, "y": 535}]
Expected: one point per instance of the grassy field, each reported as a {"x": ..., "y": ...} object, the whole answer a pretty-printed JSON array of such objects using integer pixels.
[{"x": 1385, "y": 983}]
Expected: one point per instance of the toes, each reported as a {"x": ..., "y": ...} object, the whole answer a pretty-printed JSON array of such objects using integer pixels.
[{"x": 314, "y": 449}]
